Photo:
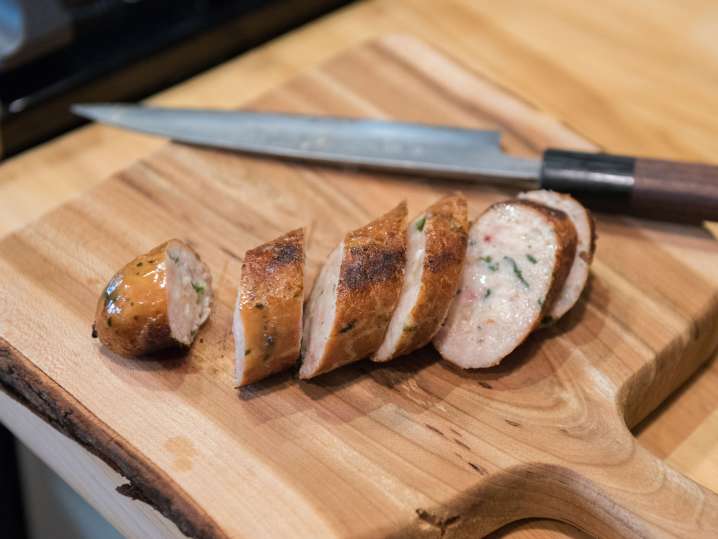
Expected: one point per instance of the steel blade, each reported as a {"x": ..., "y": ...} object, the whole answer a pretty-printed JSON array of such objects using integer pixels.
[{"x": 448, "y": 152}]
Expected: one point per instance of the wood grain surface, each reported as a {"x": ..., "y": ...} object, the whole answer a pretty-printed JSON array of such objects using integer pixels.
[
  {"x": 415, "y": 447},
  {"x": 630, "y": 76}
]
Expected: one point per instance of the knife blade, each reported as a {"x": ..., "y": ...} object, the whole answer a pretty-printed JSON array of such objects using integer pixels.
[
  {"x": 667, "y": 190},
  {"x": 395, "y": 147}
]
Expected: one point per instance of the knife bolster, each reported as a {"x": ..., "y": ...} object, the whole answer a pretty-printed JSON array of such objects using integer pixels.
[{"x": 600, "y": 180}]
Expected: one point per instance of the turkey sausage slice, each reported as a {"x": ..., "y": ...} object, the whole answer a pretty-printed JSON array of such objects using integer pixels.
[
  {"x": 585, "y": 247},
  {"x": 518, "y": 256},
  {"x": 436, "y": 247},
  {"x": 355, "y": 295},
  {"x": 268, "y": 315},
  {"x": 158, "y": 300}
]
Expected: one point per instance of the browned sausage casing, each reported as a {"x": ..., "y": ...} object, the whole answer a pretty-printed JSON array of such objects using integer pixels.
[
  {"x": 355, "y": 295},
  {"x": 158, "y": 300},
  {"x": 435, "y": 255},
  {"x": 268, "y": 316}
]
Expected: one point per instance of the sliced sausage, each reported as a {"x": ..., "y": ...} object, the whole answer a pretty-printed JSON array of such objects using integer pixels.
[
  {"x": 585, "y": 247},
  {"x": 355, "y": 294},
  {"x": 436, "y": 247},
  {"x": 158, "y": 300},
  {"x": 518, "y": 256},
  {"x": 268, "y": 315}
]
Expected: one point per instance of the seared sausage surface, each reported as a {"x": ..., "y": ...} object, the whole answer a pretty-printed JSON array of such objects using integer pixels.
[
  {"x": 268, "y": 315},
  {"x": 156, "y": 301},
  {"x": 355, "y": 295},
  {"x": 436, "y": 249}
]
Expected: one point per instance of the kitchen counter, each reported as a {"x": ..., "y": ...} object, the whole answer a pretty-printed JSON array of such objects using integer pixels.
[{"x": 632, "y": 77}]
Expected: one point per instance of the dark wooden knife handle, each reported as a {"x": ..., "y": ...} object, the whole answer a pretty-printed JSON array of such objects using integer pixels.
[{"x": 667, "y": 190}]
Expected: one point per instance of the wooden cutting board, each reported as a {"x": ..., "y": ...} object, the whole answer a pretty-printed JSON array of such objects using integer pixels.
[{"x": 412, "y": 448}]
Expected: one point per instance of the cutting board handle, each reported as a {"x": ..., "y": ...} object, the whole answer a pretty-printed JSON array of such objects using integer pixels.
[
  {"x": 606, "y": 485},
  {"x": 649, "y": 499},
  {"x": 628, "y": 494}
]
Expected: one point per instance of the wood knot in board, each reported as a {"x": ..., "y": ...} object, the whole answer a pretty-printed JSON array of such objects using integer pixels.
[
  {"x": 434, "y": 429},
  {"x": 461, "y": 444},
  {"x": 436, "y": 521}
]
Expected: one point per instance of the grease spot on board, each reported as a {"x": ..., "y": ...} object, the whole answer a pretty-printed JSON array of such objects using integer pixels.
[{"x": 182, "y": 450}]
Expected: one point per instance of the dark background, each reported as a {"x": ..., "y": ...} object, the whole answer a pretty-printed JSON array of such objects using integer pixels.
[{"x": 120, "y": 50}]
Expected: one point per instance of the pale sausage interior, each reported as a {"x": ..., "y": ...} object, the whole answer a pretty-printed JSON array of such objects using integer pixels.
[
  {"x": 321, "y": 311},
  {"x": 402, "y": 320},
  {"x": 578, "y": 275},
  {"x": 240, "y": 347},
  {"x": 507, "y": 275},
  {"x": 189, "y": 293}
]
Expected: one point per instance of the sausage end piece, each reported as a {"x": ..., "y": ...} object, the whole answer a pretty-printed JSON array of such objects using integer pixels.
[{"x": 158, "y": 300}]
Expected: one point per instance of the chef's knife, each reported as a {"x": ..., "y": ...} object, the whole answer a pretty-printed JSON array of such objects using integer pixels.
[{"x": 668, "y": 190}]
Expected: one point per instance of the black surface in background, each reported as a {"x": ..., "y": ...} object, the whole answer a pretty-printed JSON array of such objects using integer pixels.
[
  {"x": 135, "y": 50},
  {"x": 12, "y": 518}
]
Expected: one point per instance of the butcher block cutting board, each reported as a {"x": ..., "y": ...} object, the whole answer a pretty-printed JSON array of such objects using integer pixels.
[{"x": 413, "y": 448}]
